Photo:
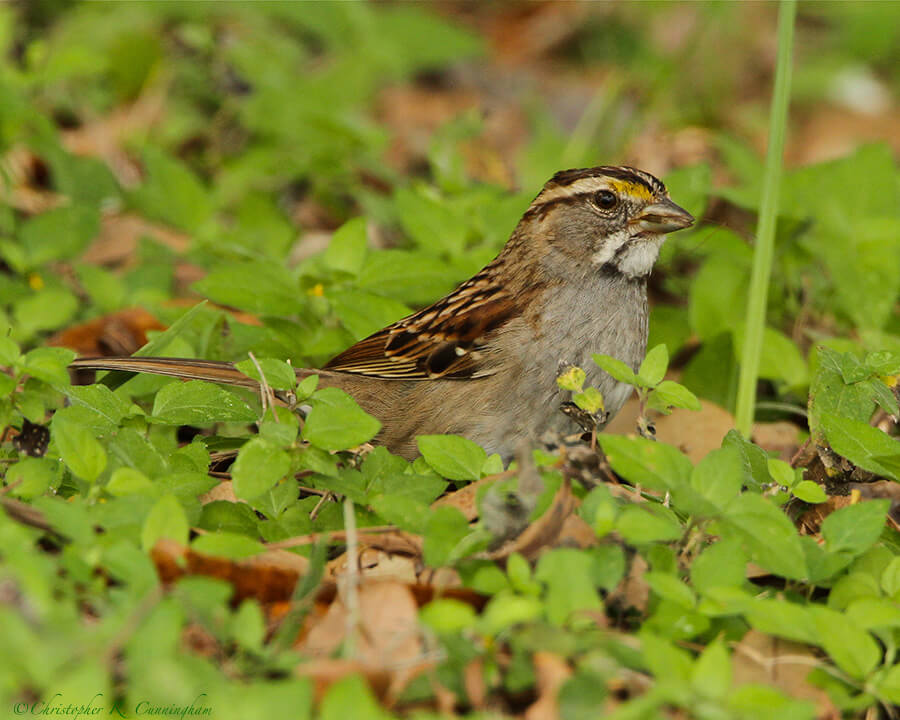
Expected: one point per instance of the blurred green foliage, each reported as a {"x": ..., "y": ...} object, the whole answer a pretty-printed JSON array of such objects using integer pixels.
[{"x": 233, "y": 114}]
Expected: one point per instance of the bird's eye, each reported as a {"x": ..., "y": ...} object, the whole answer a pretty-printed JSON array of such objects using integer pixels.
[{"x": 606, "y": 199}]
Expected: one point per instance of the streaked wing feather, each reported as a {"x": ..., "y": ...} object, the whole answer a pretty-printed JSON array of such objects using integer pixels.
[{"x": 443, "y": 340}]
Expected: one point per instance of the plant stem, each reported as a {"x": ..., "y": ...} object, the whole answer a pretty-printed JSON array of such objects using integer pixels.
[{"x": 765, "y": 229}]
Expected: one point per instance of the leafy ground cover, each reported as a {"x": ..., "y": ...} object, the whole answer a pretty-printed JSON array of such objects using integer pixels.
[{"x": 262, "y": 182}]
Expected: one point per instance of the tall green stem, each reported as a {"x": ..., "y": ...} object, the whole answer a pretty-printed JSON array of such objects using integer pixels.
[{"x": 765, "y": 229}]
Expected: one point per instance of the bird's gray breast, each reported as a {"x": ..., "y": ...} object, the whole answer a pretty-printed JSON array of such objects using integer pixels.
[{"x": 606, "y": 315}]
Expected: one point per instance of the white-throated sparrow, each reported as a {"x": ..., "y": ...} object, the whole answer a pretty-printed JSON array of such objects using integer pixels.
[{"x": 482, "y": 361}]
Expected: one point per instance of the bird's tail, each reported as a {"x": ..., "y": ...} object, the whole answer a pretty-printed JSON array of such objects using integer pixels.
[{"x": 184, "y": 368}]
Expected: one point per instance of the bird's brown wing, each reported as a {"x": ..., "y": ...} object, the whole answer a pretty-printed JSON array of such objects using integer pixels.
[{"x": 445, "y": 340}]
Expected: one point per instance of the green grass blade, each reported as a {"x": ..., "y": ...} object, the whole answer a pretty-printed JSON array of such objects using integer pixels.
[{"x": 765, "y": 230}]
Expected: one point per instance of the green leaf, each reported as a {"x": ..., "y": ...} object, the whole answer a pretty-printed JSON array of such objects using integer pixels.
[
  {"x": 78, "y": 448},
  {"x": 810, "y": 492},
  {"x": 722, "y": 564},
  {"x": 669, "y": 394},
  {"x": 780, "y": 358},
  {"x": 889, "y": 685},
  {"x": 336, "y": 422},
  {"x": 257, "y": 286},
  {"x": 166, "y": 519},
  {"x": 671, "y": 588},
  {"x": 851, "y": 647},
  {"x": 58, "y": 234},
  {"x": 258, "y": 467},
  {"x": 571, "y": 379},
  {"x": 567, "y": 574},
  {"x": 226, "y": 544},
  {"x": 452, "y": 456},
  {"x": 128, "y": 481},
  {"x": 364, "y": 313},
  {"x": 768, "y": 536},
  {"x": 30, "y": 478},
  {"x": 859, "y": 442},
  {"x": 719, "y": 476},
  {"x": 711, "y": 674},
  {"x": 639, "y": 524},
  {"x": 616, "y": 368},
  {"x": 248, "y": 626},
  {"x": 447, "y": 616},
  {"x": 47, "y": 364},
  {"x": 784, "y": 619},
  {"x": 653, "y": 368},
  {"x": 199, "y": 403},
  {"x": 278, "y": 374},
  {"x": 171, "y": 192},
  {"x": 653, "y": 465},
  {"x": 591, "y": 400},
  {"x": 350, "y": 697},
  {"x": 444, "y": 530},
  {"x": 855, "y": 528},
  {"x": 109, "y": 408},
  {"x": 347, "y": 249}
]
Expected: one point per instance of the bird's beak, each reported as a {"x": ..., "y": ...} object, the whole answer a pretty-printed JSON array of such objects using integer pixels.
[{"x": 662, "y": 217}]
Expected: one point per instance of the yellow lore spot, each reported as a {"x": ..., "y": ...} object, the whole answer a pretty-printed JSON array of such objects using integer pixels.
[
  {"x": 317, "y": 290},
  {"x": 625, "y": 187},
  {"x": 35, "y": 281}
]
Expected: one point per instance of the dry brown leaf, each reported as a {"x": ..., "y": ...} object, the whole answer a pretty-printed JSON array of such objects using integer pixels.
[
  {"x": 473, "y": 682},
  {"x": 782, "y": 664},
  {"x": 551, "y": 671},
  {"x": 779, "y": 437},
  {"x": 268, "y": 577},
  {"x": 119, "y": 333},
  {"x": 223, "y": 491},
  {"x": 116, "y": 243},
  {"x": 387, "y": 633},
  {"x": 543, "y": 532}
]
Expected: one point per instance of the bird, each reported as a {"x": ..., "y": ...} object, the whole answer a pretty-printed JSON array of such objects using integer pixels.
[{"x": 482, "y": 361}]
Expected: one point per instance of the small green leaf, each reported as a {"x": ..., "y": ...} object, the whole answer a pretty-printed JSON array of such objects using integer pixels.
[
  {"x": 278, "y": 374},
  {"x": 711, "y": 674},
  {"x": 452, "y": 456},
  {"x": 199, "y": 403},
  {"x": 336, "y": 422},
  {"x": 671, "y": 588},
  {"x": 653, "y": 368},
  {"x": 591, "y": 400},
  {"x": 48, "y": 364},
  {"x": 447, "y": 616},
  {"x": 851, "y": 647},
  {"x": 669, "y": 394},
  {"x": 445, "y": 528},
  {"x": 227, "y": 544},
  {"x": 166, "y": 519},
  {"x": 616, "y": 368},
  {"x": 347, "y": 249},
  {"x": 79, "y": 449},
  {"x": 640, "y": 524},
  {"x": 768, "y": 535},
  {"x": 859, "y": 442},
  {"x": 31, "y": 477},
  {"x": 653, "y": 465},
  {"x": 567, "y": 574},
  {"x": 722, "y": 564},
  {"x": 571, "y": 379},
  {"x": 810, "y": 492},
  {"x": 258, "y": 467},
  {"x": 855, "y": 528}
]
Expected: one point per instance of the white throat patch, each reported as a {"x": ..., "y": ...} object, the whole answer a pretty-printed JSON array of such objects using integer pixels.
[
  {"x": 612, "y": 245},
  {"x": 637, "y": 259}
]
